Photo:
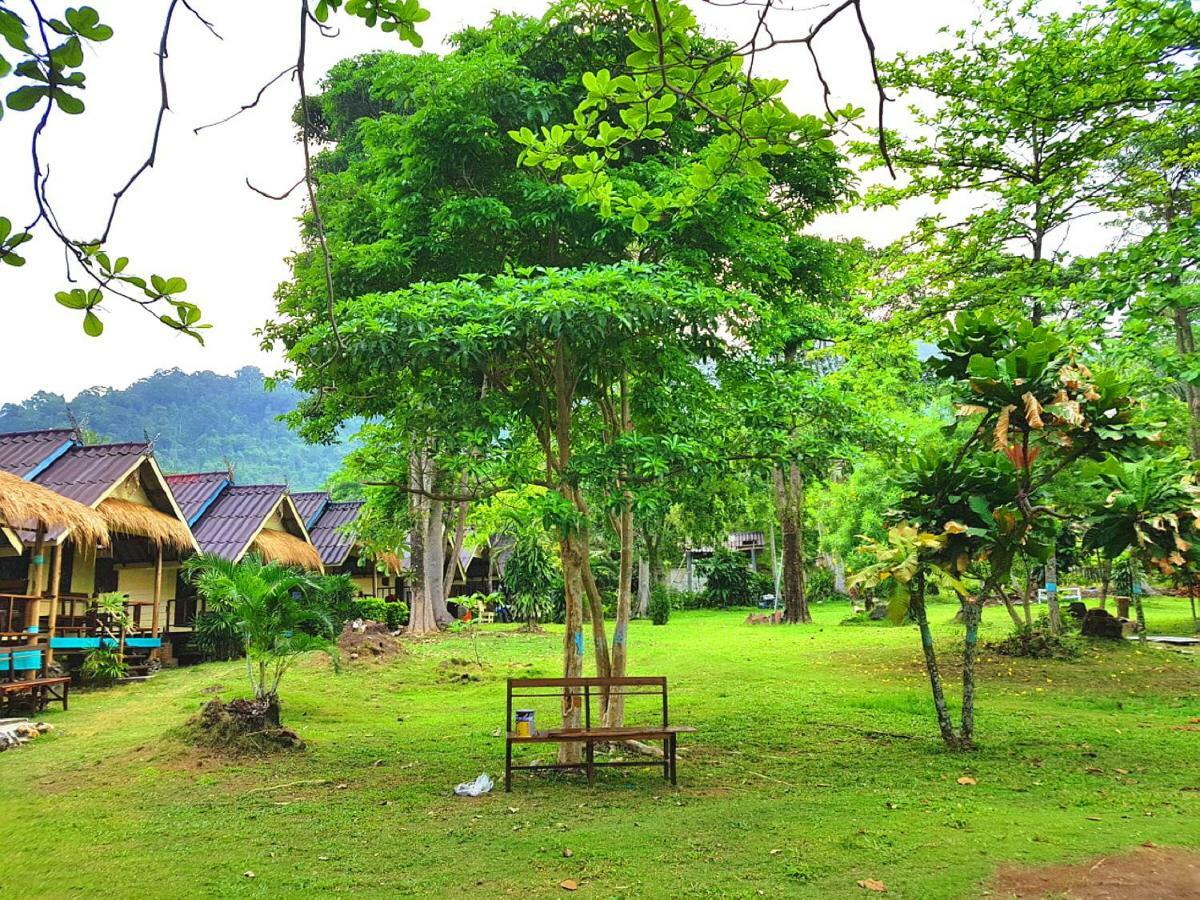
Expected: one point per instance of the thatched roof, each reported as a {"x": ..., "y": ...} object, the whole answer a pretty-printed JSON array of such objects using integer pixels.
[
  {"x": 24, "y": 504},
  {"x": 287, "y": 549},
  {"x": 127, "y": 517}
]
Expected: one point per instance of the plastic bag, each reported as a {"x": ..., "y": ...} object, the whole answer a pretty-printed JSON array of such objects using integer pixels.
[{"x": 479, "y": 786}]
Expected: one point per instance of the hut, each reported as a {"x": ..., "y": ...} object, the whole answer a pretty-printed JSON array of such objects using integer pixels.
[
  {"x": 148, "y": 535},
  {"x": 31, "y": 508},
  {"x": 331, "y": 525}
]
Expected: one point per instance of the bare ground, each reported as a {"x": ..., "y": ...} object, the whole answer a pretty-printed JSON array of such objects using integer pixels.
[{"x": 1164, "y": 873}]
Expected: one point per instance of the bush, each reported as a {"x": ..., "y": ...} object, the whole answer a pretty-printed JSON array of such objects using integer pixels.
[
  {"x": 819, "y": 586},
  {"x": 729, "y": 579},
  {"x": 393, "y": 614},
  {"x": 103, "y": 666},
  {"x": 1037, "y": 642},
  {"x": 660, "y": 604},
  {"x": 688, "y": 599}
]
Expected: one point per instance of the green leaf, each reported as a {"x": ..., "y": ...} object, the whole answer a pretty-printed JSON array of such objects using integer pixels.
[
  {"x": 5, "y": 228},
  {"x": 86, "y": 23},
  {"x": 640, "y": 224},
  {"x": 92, "y": 326},
  {"x": 75, "y": 299},
  {"x": 69, "y": 104},
  {"x": 27, "y": 97}
]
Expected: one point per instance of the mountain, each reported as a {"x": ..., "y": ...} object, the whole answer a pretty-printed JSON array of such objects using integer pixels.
[{"x": 199, "y": 421}]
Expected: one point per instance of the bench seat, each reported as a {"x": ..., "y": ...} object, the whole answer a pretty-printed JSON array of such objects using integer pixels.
[
  {"x": 582, "y": 691},
  {"x": 42, "y": 689}
]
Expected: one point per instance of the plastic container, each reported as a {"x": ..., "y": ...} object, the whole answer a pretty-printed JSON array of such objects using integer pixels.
[{"x": 524, "y": 723}]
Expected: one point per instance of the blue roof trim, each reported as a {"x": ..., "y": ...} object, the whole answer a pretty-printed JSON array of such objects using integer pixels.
[
  {"x": 315, "y": 517},
  {"x": 225, "y": 482},
  {"x": 49, "y": 460}
]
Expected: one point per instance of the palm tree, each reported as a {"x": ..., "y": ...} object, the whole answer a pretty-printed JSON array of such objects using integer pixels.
[{"x": 265, "y": 603}]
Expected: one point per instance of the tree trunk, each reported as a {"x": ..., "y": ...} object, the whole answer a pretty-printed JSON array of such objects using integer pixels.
[
  {"x": 917, "y": 605},
  {"x": 1105, "y": 581},
  {"x": 1011, "y": 607},
  {"x": 460, "y": 535},
  {"x": 420, "y": 617},
  {"x": 614, "y": 712},
  {"x": 1027, "y": 598},
  {"x": 789, "y": 505},
  {"x": 643, "y": 591},
  {"x": 1141, "y": 616},
  {"x": 435, "y": 561},
  {"x": 972, "y": 613},
  {"x": 573, "y": 567}
]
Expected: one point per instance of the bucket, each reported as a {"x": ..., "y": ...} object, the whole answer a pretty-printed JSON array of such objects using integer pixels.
[{"x": 524, "y": 723}]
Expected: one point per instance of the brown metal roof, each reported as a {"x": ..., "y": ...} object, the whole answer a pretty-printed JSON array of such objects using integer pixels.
[
  {"x": 194, "y": 492},
  {"x": 25, "y": 453},
  {"x": 226, "y": 527},
  {"x": 86, "y": 474},
  {"x": 310, "y": 505},
  {"x": 329, "y": 534}
]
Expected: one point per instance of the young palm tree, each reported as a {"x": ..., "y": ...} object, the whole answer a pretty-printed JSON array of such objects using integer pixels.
[{"x": 265, "y": 601}]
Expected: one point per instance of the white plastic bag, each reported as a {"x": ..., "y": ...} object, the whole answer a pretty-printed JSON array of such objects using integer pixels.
[{"x": 479, "y": 786}]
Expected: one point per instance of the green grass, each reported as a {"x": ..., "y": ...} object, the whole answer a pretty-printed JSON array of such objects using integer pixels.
[{"x": 816, "y": 765}]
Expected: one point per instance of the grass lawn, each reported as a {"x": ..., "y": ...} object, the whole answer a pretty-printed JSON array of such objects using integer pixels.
[{"x": 817, "y": 764}]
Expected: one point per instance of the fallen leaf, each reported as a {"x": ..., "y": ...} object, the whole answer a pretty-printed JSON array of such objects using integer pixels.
[
  {"x": 870, "y": 884},
  {"x": 1094, "y": 819},
  {"x": 567, "y": 852},
  {"x": 568, "y": 885},
  {"x": 514, "y": 809},
  {"x": 776, "y": 852},
  {"x": 966, "y": 779},
  {"x": 247, "y": 874},
  {"x": 323, "y": 858}
]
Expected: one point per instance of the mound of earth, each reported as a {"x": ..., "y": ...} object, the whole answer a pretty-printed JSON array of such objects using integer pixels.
[
  {"x": 1161, "y": 872},
  {"x": 370, "y": 641},
  {"x": 241, "y": 725}
]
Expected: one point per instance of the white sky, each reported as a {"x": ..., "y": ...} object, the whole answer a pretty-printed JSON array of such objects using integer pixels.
[{"x": 192, "y": 215}]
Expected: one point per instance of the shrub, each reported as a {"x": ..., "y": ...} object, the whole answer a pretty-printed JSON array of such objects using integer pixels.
[
  {"x": 729, "y": 579},
  {"x": 1037, "y": 642},
  {"x": 660, "y": 604},
  {"x": 688, "y": 599},
  {"x": 370, "y": 608},
  {"x": 530, "y": 577},
  {"x": 103, "y": 666},
  {"x": 819, "y": 586}
]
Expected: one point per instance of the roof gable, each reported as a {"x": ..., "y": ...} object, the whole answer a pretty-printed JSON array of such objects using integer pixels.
[
  {"x": 196, "y": 491},
  {"x": 87, "y": 474},
  {"x": 310, "y": 505},
  {"x": 231, "y": 521},
  {"x": 28, "y": 453},
  {"x": 329, "y": 534}
]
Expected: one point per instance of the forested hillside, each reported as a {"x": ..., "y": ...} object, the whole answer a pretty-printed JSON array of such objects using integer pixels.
[{"x": 199, "y": 421}]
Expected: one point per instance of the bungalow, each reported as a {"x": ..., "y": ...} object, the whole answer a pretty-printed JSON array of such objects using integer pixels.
[
  {"x": 148, "y": 533},
  {"x": 232, "y": 520},
  {"x": 331, "y": 526}
]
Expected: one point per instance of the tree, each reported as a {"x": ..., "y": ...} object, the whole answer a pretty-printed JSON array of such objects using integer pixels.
[
  {"x": 553, "y": 347},
  {"x": 1033, "y": 410},
  {"x": 266, "y": 603},
  {"x": 530, "y": 575},
  {"x": 1028, "y": 108},
  {"x": 1151, "y": 510}
]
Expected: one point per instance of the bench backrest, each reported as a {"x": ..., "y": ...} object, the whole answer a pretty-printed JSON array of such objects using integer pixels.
[{"x": 585, "y": 689}]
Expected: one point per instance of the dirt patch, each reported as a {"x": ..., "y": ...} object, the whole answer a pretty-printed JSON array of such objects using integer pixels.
[
  {"x": 372, "y": 642},
  {"x": 240, "y": 726},
  {"x": 1162, "y": 872}
]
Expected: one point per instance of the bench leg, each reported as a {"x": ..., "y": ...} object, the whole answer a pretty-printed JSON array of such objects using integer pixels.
[
  {"x": 673, "y": 760},
  {"x": 666, "y": 759},
  {"x": 508, "y": 766},
  {"x": 591, "y": 762}
]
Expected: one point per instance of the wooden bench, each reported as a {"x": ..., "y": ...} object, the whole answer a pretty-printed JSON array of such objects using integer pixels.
[
  {"x": 54, "y": 689},
  {"x": 18, "y": 662},
  {"x": 581, "y": 691}
]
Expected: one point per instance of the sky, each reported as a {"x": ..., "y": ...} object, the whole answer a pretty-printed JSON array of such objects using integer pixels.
[{"x": 192, "y": 214}]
